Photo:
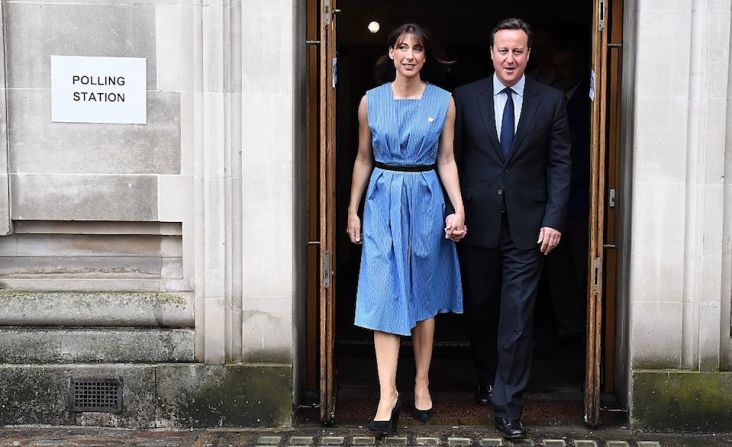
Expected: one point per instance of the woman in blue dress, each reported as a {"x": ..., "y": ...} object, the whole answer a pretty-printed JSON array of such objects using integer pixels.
[{"x": 409, "y": 268}]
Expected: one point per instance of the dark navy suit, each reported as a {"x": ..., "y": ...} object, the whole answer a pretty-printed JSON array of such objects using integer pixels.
[{"x": 507, "y": 200}]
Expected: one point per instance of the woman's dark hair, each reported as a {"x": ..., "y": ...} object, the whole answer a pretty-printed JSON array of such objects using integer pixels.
[
  {"x": 435, "y": 66},
  {"x": 513, "y": 23}
]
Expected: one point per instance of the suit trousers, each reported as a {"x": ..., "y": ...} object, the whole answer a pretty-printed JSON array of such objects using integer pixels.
[
  {"x": 566, "y": 278},
  {"x": 502, "y": 282}
]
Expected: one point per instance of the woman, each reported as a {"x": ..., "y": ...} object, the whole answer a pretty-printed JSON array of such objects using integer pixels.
[{"x": 409, "y": 268}]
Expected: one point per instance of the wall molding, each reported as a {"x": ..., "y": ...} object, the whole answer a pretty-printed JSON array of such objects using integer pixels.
[
  {"x": 6, "y": 226},
  {"x": 704, "y": 335},
  {"x": 217, "y": 182}
]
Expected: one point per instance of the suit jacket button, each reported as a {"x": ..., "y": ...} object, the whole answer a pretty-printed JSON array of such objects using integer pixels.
[{"x": 500, "y": 191}]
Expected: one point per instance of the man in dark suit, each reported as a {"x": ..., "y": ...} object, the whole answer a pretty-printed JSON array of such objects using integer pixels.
[
  {"x": 566, "y": 267},
  {"x": 513, "y": 144}
]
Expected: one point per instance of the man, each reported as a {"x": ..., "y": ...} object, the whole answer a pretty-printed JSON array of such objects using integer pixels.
[
  {"x": 513, "y": 143},
  {"x": 566, "y": 267},
  {"x": 542, "y": 54}
]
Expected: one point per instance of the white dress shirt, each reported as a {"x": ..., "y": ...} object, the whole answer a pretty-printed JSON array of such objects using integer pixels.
[{"x": 500, "y": 98}]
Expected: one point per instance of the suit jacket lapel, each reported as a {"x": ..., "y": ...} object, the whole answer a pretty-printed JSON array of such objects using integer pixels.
[
  {"x": 528, "y": 109},
  {"x": 487, "y": 113}
]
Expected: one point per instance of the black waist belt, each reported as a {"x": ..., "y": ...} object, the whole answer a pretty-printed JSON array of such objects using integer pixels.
[{"x": 404, "y": 168}]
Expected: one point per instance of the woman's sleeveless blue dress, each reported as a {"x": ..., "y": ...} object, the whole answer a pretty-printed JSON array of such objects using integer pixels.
[{"x": 409, "y": 271}]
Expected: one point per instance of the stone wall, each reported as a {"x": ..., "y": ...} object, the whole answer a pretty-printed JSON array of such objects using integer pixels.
[
  {"x": 96, "y": 173},
  {"x": 165, "y": 249},
  {"x": 679, "y": 275},
  {"x": 5, "y": 223}
]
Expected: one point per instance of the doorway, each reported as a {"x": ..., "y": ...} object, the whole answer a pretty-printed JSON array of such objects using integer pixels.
[{"x": 559, "y": 367}]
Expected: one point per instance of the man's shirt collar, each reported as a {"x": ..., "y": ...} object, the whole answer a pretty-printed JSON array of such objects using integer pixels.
[{"x": 517, "y": 89}]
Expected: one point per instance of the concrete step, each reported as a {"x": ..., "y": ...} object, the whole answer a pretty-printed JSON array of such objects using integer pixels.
[
  {"x": 126, "y": 309},
  {"x": 23, "y": 345}
]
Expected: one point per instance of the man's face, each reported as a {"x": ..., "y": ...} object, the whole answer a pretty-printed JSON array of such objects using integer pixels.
[{"x": 510, "y": 54}]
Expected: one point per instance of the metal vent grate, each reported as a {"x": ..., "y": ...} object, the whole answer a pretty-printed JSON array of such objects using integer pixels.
[{"x": 101, "y": 395}]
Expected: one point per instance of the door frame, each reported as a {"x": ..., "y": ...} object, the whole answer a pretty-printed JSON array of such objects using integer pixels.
[
  {"x": 612, "y": 181},
  {"x": 327, "y": 168},
  {"x": 602, "y": 255},
  {"x": 600, "y": 353},
  {"x": 597, "y": 214}
]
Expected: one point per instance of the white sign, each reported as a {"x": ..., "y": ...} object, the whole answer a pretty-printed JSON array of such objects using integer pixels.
[{"x": 99, "y": 89}]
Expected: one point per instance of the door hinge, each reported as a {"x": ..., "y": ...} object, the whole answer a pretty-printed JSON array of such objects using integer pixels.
[
  {"x": 601, "y": 16},
  {"x": 326, "y": 12},
  {"x": 611, "y": 198},
  {"x": 325, "y": 267},
  {"x": 595, "y": 275}
]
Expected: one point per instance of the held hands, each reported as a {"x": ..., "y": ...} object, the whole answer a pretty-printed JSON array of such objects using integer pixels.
[
  {"x": 354, "y": 228},
  {"x": 455, "y": 228},
  {"x": 549, "y": 239}
]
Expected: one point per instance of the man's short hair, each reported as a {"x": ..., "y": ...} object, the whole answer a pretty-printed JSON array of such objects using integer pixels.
[{"x": 513, "y": 23}]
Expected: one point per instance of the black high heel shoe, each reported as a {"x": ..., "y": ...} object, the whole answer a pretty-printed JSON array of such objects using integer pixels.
[
  {"x": 384, "y": 428},
  {"x": 422, "y": 415}
]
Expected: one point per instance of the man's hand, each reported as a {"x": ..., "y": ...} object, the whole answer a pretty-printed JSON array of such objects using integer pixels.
[
  {"x": 455, "y": 228},
  {"x": 549, "y": 239}
]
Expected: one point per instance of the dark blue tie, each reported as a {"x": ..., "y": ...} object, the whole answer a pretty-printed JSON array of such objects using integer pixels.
[{"x": 507, "y": 125}]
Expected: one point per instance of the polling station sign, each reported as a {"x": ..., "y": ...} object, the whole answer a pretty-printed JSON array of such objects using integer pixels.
[{"x": 99, "y": 89}]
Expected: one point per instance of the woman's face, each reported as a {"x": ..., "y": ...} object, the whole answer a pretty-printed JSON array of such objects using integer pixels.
[{"x": 408, "y": 55}]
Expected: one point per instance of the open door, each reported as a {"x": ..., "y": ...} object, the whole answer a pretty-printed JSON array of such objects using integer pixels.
[
  {"x": 598, "y": 92},
  {"x": 324, "y": 292},
  {"x": 327, "y": 209},
  {"x": 614, "y": 71}
]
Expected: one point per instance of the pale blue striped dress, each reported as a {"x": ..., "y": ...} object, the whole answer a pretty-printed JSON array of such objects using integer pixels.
[{"x": 409, "y": 271}]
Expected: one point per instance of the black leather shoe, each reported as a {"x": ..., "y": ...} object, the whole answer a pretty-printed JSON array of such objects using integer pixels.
[
  {"x": 383, "y": 428},
  {"x": 483, "y": 394},
  {"x": 510, "y": 428}
]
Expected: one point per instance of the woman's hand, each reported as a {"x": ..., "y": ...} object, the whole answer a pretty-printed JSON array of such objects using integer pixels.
[
  {"x": 354, "y": 228},
  {"x": 455, "y": 228}
]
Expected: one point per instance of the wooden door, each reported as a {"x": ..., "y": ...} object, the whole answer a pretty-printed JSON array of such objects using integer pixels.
[
  {"x": 597, "y": 212},
  {"x": 614, "y": 67},
  {"x": 327, "y": 209}
]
